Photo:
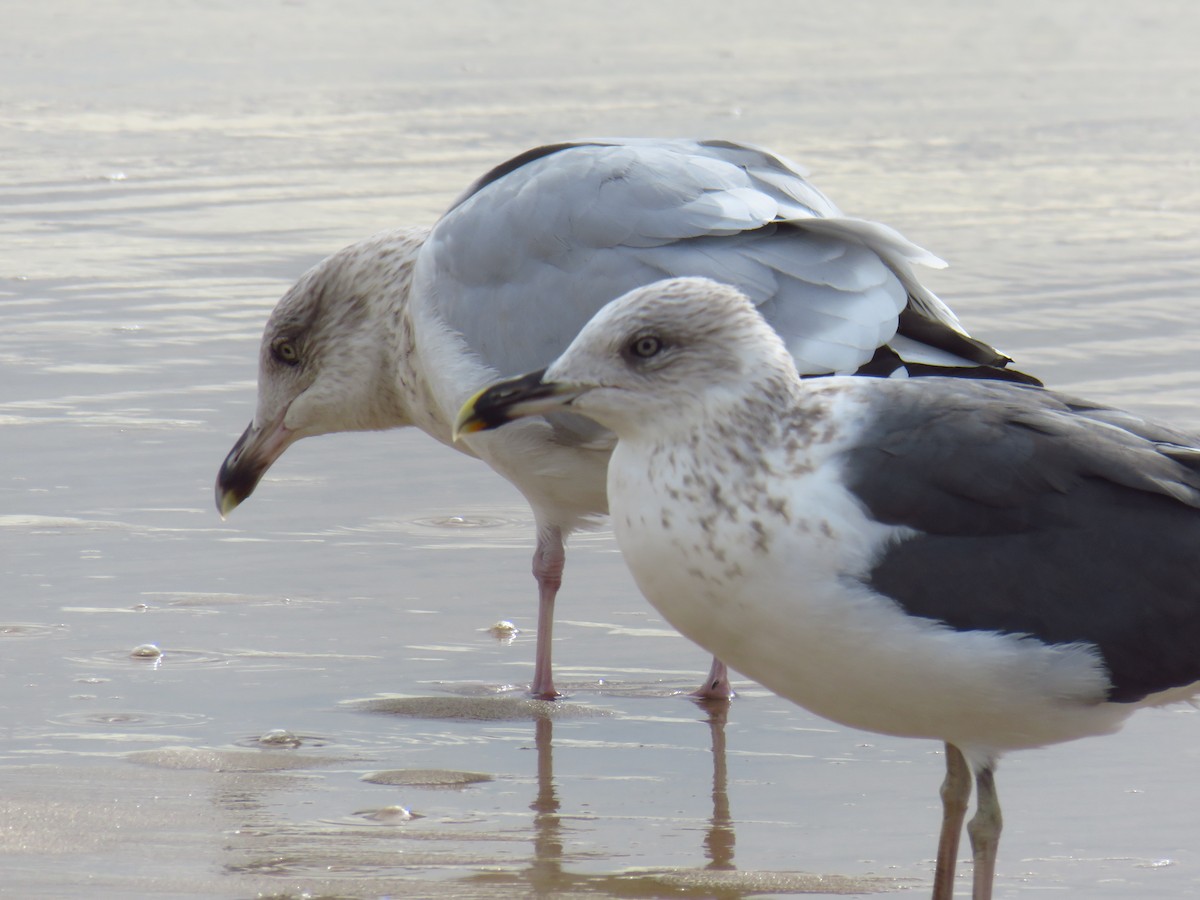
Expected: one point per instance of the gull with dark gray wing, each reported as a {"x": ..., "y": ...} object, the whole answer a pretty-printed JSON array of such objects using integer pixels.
[{"x": 991, "y": 565}]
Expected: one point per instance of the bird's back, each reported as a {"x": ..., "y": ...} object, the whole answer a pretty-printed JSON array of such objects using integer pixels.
[{"x": 534, "y": 248}]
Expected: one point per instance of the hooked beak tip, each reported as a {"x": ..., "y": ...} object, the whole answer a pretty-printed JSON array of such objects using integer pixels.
[{"x": 227, "y": 501}]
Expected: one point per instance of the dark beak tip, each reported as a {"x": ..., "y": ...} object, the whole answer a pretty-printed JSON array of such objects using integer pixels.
[
  {"x": 234, "y": 484},
  {"x": 238, "y": 476}
]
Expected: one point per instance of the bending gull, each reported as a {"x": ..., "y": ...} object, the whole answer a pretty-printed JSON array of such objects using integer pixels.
[
  {"x": 400, "y": 328},
  {"x": 991, "y": 565}
]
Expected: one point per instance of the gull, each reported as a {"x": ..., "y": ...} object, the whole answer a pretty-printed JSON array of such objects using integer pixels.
[
  {"x": 400, "y": 328},
  {"x": 991, "y": 565}
]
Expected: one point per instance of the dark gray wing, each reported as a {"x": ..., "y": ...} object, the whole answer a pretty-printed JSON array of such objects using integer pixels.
[{"x": 1038, "y": 514}]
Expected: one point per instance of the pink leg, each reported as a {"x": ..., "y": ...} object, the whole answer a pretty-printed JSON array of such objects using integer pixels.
[
  {"x": 548, "y": 560},
  {"x": 956, "y": 792},
  {"x": 984, "y": 831},
  {"x": 716, "y": 686}
]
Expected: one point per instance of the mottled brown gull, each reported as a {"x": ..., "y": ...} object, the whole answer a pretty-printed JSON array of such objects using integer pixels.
[
  {"x": 991, "y": 565},
  {"x": 399, "y": 329}
]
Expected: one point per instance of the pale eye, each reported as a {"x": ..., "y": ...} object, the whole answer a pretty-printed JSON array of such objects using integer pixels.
[
  {"x": 646, "y": 346},
  {"x": 284, "y": 351}
]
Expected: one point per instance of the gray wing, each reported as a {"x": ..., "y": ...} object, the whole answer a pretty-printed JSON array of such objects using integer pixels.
[
  {"x": 531, "y": 251},
  {"x": 1042, "y": 515}
]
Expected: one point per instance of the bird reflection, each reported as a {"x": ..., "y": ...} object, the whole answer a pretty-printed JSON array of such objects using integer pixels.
[
  {"x": 720, "y": 838},
  {"x": 269, "y": 846},
  {"x": 546, "y": 876}
]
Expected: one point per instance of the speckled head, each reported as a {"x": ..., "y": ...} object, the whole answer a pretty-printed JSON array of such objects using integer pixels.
[{"x": 324, "y": 363}]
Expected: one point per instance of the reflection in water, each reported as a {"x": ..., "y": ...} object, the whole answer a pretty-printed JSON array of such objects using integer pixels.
[
  {"x": 720, "y": 839},
  {"x": 385, "y": 854},
  {"x": 718, "y": 880},
  {"x": 546, "y": 874}
]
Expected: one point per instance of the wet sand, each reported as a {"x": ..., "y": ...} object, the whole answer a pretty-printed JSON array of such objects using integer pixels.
[{"x": 166, "y": 175}]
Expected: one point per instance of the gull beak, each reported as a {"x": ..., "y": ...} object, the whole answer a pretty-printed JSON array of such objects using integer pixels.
[
  {"x": 247, "y": 462},
  {"x": 515, "y": 398}
]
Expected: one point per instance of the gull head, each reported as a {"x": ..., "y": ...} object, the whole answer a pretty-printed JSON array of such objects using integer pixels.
[
  {"x": 328, "y": 360},
  {"x": 660, "y": 354}
]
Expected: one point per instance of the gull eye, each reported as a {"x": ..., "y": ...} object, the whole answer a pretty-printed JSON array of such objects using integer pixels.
[
  {"x": 646, "y": 346},
  {"x": 284, "y": 351}
]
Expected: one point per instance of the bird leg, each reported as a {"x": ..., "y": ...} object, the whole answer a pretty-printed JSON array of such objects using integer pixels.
[
  {"x": 716, "y": 686},
  {"x": 984, "y": 830},
  {"x": 956, "y": 791},
  {"x": 549, "y": 557}
]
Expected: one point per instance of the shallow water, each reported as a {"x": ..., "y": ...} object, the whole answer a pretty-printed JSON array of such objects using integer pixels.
[{"x": 164, "y": 177}]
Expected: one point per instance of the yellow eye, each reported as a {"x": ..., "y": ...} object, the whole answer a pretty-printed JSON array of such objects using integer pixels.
[{"x": 284, "y": 351}]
